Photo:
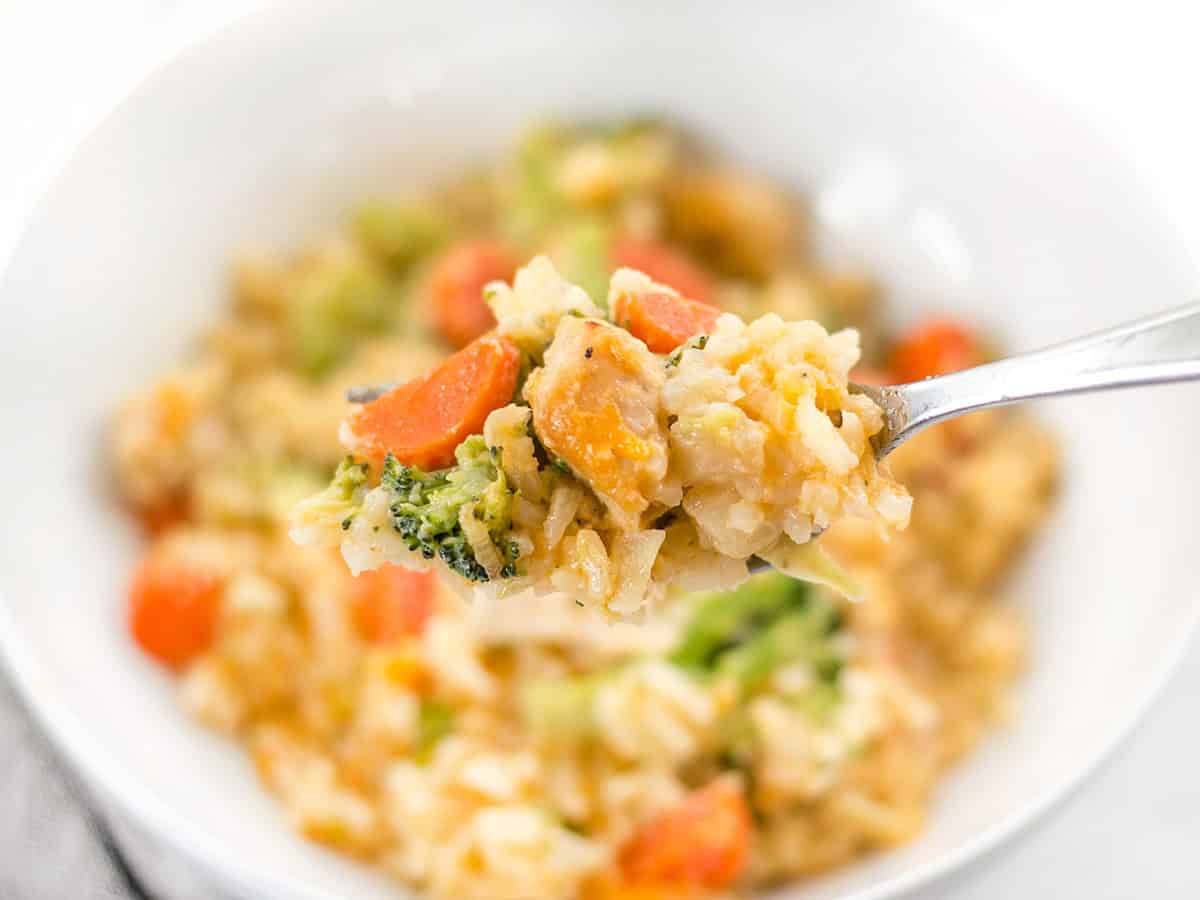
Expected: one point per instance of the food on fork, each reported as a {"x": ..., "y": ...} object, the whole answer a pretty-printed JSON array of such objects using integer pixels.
[
  {"x": 606, "y": 454},
  {"x": 476, "y": 751}
]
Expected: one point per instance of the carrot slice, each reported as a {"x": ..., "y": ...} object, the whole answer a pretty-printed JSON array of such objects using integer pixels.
[
  {"x": 392, "y": 602},
  {"x": 666, "y": 265},
  {"x": 455, "y": 288},
  {"x": 934, "y": 347},
  {"x": 173, "y": 610},
  {"x": 422, "y": 421},
  {"x": 703, "y": 840},
  {"x": 663, "y": 321}
]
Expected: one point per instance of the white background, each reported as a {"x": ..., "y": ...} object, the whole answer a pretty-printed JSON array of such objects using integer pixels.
[{"x": 1133, "y": 69}]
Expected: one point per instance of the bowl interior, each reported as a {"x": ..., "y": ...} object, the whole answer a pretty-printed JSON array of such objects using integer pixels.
[{"x": 957, "y": 184}]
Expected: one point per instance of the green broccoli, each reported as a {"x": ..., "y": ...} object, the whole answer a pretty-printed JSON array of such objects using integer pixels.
[
  {"x": 723, "y": 620},
  {"x": 768, "y": 622},
  {"x": 425, "y": 508},
  {"x": 338, "y": 503},
  {"x": 349, "y": 477},
  {"x": 329, "y": 308},
  {"x": 743, "y": 635},
  {"x": 400, "y": 233},
  {"x": 800, "y": 636}
]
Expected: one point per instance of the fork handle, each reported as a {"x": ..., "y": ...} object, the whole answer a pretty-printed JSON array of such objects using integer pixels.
[{"x": 1158, "y": 349}]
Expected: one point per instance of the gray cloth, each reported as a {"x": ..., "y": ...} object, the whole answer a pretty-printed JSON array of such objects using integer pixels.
[{"x": 58, "y": 843}]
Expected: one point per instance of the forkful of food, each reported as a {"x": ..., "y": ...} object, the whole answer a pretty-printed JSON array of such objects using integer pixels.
[{"x": 607, "y": 454}]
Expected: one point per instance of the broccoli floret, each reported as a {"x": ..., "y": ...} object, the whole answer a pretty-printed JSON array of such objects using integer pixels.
[
  {"x": 458, "y": 556},
  {"x": 743, "y": 635},
  {"x": 426, "y": 506},
  {"x": 769, "y": 621},
  {"x": 800, "y": 636},
  {"x": 339, "y": 501},
  {"x": 400, "y": 233},
  {"x": 726, "y": 619},
  {"x": 330, "y": 307},
  {"x": 349, "y": 477}
]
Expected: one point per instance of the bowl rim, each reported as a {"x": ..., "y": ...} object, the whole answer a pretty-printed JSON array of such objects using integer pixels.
[{"x": 104, "y": 774}]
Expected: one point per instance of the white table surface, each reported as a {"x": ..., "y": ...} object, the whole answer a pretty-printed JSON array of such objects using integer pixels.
[{"x": 1131, "y": 832}]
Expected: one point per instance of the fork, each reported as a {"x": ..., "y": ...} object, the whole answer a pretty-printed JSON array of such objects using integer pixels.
[{"x": 1157, "y": 349}]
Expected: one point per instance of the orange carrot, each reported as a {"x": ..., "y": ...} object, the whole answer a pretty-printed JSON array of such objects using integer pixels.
[
  {"x": 455, "y": 288},
  {"x": 663, "y": 321},
  {"x": 422, "y": 421},
  {"x": 704, "y": 840},
  {"x": 392, "y": 602},
  {"x": 173, "y": 610},
  {"x": 934, "y": 347},
  {"x": 666, "y": 265}
]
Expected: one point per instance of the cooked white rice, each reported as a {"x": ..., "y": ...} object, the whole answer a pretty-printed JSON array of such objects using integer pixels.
[{"x": 748, "y": 445}]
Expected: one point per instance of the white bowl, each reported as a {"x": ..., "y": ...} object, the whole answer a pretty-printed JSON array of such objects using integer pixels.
[{"x": 960, "y": 185}]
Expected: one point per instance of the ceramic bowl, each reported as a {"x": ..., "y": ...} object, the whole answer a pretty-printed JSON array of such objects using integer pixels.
[{"x": 961, "y": 187}]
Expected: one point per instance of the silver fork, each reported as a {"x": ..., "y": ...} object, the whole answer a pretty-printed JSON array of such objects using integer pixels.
[{"x": 1158, "y": 349}]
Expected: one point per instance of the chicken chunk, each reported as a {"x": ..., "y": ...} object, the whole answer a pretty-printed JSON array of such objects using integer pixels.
[{"x": 596, "y": 407}]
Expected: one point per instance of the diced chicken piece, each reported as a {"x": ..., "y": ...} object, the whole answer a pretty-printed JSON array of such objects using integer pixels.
[{"x": 596, "y": 407}]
